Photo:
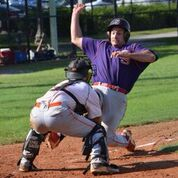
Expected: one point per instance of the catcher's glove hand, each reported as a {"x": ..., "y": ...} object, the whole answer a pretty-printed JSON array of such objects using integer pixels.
[{"x": 53, "y": 139}]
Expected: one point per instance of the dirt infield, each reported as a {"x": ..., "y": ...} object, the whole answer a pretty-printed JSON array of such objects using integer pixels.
[{"x": 66, "y": 160}]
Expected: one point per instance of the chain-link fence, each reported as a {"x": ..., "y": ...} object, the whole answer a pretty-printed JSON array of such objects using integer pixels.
[{"x": 18, "y": 28}]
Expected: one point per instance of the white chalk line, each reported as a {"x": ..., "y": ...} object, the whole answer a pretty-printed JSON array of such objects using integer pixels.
[
  {"x": 149, "y": 144},
  {"x": 153, "y": 143}
]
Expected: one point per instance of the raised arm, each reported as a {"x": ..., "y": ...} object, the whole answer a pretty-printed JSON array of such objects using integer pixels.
[{"x": 76, "y": 34}]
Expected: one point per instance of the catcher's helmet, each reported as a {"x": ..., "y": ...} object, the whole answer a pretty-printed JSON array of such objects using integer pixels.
[
  {"x": 122, "y": 23},
  {"x": 78, "y": 69}
]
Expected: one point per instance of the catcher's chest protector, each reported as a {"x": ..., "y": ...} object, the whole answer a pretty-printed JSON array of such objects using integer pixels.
[{"x": 80, "y": 108}]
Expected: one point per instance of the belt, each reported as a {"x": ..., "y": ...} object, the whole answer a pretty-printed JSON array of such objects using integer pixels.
[
  {"x": 49, "y": 105},
  {"x": 113, "y": 87}
]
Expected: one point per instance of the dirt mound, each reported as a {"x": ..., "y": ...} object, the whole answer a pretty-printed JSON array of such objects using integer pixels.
[{"x": 66, "y": 161}]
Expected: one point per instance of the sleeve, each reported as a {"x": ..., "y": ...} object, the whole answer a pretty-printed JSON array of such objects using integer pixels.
[
  {"x": 93, "y": 104},
  {"x": 89, "y": 46},
  {"x": 136, "y": 47}
]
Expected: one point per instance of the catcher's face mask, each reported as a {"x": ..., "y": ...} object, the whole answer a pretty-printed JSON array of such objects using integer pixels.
[{"x": 79, "y": 69}]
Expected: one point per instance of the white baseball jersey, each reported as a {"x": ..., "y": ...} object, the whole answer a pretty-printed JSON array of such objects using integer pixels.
[
  {"x": 82, "y": 91},
  {"x": 57, "y": 118}
]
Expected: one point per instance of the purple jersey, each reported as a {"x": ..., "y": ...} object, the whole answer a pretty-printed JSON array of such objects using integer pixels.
[{"x": 115, "y": 71}]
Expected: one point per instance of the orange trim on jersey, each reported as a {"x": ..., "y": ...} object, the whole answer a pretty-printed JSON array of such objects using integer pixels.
[
  {"x": 49, "y": 105},
  {"x": 113, "y": 87}
]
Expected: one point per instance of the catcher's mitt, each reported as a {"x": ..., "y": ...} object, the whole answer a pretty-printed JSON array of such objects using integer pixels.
[{"x": 53, "y": 139}]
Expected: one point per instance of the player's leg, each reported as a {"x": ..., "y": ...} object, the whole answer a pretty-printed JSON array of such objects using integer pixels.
[
  {"x": 95, "y": 145},
  {"x": 113, "y": 109},
  {"x": 33, "y": 141},
  {"x": 30, "y": 150},
  {"x": 124, "y": 138}
]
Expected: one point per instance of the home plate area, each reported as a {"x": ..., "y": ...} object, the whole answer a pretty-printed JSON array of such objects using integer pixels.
[{"x": 66, "y": 161}]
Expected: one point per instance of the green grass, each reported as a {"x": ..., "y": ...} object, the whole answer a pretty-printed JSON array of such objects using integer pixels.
[
  {"x": 158, "y": 31},
  {"x": 153, "y": 99},
  {"x": 169, "y": 148},
  {"x": 19, "y": 92},
  {"x": 155, "y": 95}
]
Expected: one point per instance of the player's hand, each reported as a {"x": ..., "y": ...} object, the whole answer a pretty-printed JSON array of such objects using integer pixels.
[
  {"x": 124, "y": 54},
  {"x": 78, "y": 8}
]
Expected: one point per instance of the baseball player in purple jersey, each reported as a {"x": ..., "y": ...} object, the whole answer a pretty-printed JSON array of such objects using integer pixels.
[
  {"x": 61, "y": 110},
  {"x": 117, "y": 64}
]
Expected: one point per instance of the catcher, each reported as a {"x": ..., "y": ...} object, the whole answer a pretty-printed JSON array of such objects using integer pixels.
[{"x": 61, "y": 110}]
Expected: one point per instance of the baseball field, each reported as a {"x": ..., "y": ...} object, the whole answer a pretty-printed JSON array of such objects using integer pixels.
[{"x": 151, "y": 115}]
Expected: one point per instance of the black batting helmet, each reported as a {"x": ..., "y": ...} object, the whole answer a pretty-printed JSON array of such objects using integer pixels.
[
  {"x": 122, "y": 23},
  {"x": 78, "y": 69}
]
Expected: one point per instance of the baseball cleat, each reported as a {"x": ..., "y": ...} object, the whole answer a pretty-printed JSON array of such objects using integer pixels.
[
  {"x": 103, "y": 169},
  {"x": 27, "y": 166},
  {"x": 131, "y": 143}
]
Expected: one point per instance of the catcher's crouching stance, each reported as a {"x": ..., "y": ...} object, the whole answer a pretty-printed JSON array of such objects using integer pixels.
[{"x": 61, "y": 110}]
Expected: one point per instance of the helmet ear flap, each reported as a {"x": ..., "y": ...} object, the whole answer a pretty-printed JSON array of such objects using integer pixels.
[
  {"x": 108, "y": 35},
  {"x": 126, "y": 35}
]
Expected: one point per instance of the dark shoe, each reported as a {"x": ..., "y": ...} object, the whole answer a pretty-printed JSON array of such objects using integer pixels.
[
  {"x": 103, "y": 168},
  {"x": 26, "y": 166}
]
